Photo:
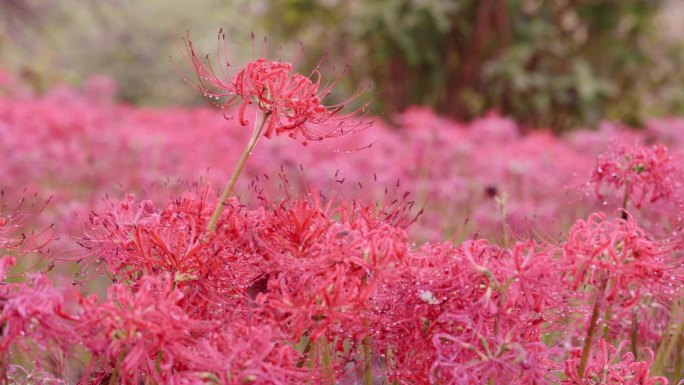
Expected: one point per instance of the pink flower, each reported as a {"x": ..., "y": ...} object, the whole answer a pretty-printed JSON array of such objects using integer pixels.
[
  {"x": 292, "y": 102},
  {"x": 492, "y": 332},
  {"x": 246, "y": 353},
  {"x": 469, "y": 314},
  {"x": 504, "y": 356},
  {"x": 134, "y": 239},
  {"x": 645, "y": 174},
  {"x": 621, "y": 256},
  {"x": 325, "y": 262},
  {"x": 16, "y": 220},
  {"x": 35, "y": 310},
  {"x": 606, "y": 367},
  {"x": 134, "y": 328},
  {"x": 35, "y": 323}
]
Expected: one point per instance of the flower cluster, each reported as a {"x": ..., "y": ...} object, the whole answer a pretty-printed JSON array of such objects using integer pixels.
[
  {"x": 84, "y": 146},
  {"x": 607, "y": 367},
  {"x": 470, "y": 313},
  {"x": 142, "y": 333},
  {"x": 621, "y": 258},
  {"x": 34, "y": 310},
  {"x": 642, "y": 174},
  {"x": 311, "y": 279}
]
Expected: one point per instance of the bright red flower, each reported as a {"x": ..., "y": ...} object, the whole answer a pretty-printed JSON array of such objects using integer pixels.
[
  {"x": 621, "y": 256},
  {"x": 325, "y": 261},
  {"x": 35, "y": 310},
  {"x": 34, "y": 322},
  {"x": 134, "y": 239},
  {"x": 606, "y": 367},
  {"x": 469, "y": 314},
  {"x": 639, "y": 174},
  {"x": 140, "y": 333},
  {"x": 246, "y": 353},
  {"x": 292, "y": 101}
]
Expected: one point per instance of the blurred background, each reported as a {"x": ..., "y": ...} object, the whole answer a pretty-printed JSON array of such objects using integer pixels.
[{"x": 547, "y": 63}]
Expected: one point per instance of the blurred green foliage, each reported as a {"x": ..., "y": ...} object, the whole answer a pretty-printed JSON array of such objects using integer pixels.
[
  {"x": 557, "y": 63},
  {"x": 66, "y": 41}
]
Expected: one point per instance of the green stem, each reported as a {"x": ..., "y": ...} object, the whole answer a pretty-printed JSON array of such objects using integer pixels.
[
  {"x": 368, "y": 372},
  {"x": 678, "y": 361},
  {"x": 670, "y": 339},
  {"x": 114, "y": 378},
  {"x": 635, "y": 334},
  {"x": 326, "y": 361},
  {"x": 312, "y": 359},
  {"x": 606, "y": 329},
  {"x": 593, "y": 322},
  {"x": 625, "y": 200},
  {"x": 306, "y": 352},
  {"x": 256, "y": 134},
  {"x": 4, "y": 366}
]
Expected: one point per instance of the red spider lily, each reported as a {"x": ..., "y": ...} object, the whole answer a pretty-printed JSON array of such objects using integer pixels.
[
  {"x": 15, "y": 224},
  {"x": 292, "y": 102},
  {"x": 134, "y": 238},
  {"x": 504, "y": 356},
  {"x": 227, "y": 308},
  {"x": 469, "y": 310},
  {"x": 643, "y": 174},
  {"x": 241, "y": 353},
  {"x": 648, "y": 319},
  {"x": 607, "y": 367},
  {"x": 34, "y": 321},
  {"x": 325, "y": 261},
  {"x": 35, "y": 310},
  {"x": 621, "y": 257},
  {"x": 141, "y": 333}
]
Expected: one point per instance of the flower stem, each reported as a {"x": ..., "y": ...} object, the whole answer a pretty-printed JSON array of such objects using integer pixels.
[
  {"x": 368, "y": 372},
  {"x": 259, "y": 123},
  {"x": 606, "y": 329},
  {"x": 670, "y": 339},
  {"x": 625, "y": 201},
  {"x": 305, "y": 353},
  {"x": 4, "y": 367},
  {"x": 327, "y": 370},
  {"x": 593, "y": 322},
  {"x": 114, "y": 378},
  {"x": 635, "y": 334}
]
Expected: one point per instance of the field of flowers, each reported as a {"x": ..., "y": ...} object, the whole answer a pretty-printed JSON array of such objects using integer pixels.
[{"x": 413, "y": 250}]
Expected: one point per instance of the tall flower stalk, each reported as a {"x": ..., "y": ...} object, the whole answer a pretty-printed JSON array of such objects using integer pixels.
[
  {"x": 591, "y": 331},
  {"x": 622, "y": 262},
  {"x": 259, "y": 124},
  {"x": 286, "y": 102}
]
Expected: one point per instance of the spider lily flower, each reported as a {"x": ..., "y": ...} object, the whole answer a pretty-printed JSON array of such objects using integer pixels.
[
  {"x": 291, "y": 102},
  {"x": 606, "y": 367},
  {"x": 621, "y": 255},
  {"x": 647, "y": 174}
]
